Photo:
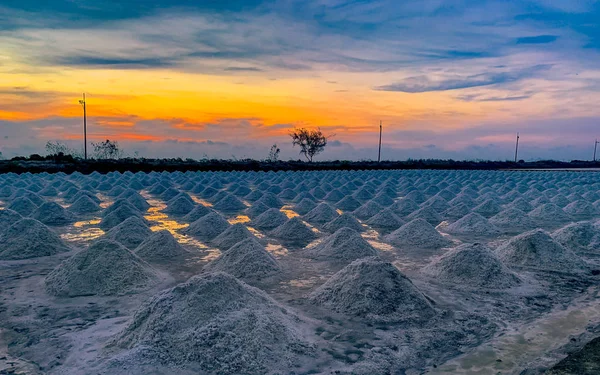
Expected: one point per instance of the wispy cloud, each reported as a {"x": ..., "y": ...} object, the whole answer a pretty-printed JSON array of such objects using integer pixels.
[
  {"x": 539, "y": 39},
  {"x": 425, "y": 84}
]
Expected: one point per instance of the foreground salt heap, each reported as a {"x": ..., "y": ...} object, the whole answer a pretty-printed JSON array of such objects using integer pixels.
[
  {"x": 28, "y": 238},
  {"x": 374, "y": 290},
  {"x": 472, "y": 265},
  {"x": 106, "y": 268},
  {"x": 216, "y": 324},
  {"x": 130, "y": 233},
  {"x": 294, "y": 231},
  {"x": 51, "y": 213}
]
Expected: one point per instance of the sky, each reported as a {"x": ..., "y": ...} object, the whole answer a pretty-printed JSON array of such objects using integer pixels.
[{"x": 227, "y": 79}]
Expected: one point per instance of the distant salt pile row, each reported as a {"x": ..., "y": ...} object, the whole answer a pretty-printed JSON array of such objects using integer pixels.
[
  {"x": 28, "y": 238},
  {"x": 214, "y": 322}
]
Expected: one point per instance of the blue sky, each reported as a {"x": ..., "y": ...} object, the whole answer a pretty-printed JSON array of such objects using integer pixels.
[{"x": 449, "y": 79}]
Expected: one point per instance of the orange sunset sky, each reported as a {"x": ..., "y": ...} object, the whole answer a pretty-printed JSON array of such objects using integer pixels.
[{"x": 177, "y": 79}]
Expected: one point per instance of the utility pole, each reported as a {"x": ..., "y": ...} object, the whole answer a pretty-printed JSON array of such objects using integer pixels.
[
  {"x": 380, "y": 131},
  {"x": 595, "y": 147},
  {"x": 82, "y": 102},
  {"x": 517, "y": 149}
]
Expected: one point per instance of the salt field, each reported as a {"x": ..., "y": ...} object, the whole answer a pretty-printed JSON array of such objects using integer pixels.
[{"x": 328, "y": 272}]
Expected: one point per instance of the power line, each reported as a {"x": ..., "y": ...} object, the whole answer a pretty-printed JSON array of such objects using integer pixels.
[
  {"x": 82, "y": 102},
  {"x": 595, "y": 147},
  {"x": 380, "y": 131},
  {"x": 517, "y": 149}
]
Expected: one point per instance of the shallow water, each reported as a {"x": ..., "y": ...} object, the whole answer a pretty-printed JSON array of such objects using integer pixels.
[{"x": 525, "y": 347}]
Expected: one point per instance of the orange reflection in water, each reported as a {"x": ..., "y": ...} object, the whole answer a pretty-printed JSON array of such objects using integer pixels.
[
  {"x": 287, "y": 210},
  {"x": 239, "y": 219},
  {"x": 277, "y": 250}
]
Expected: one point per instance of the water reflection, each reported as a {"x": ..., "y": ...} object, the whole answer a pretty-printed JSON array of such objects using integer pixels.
[
  {"x": 277, "y": 250},
  {"x": 287, "y": 210},
  {"x": 239, "y": 219}
]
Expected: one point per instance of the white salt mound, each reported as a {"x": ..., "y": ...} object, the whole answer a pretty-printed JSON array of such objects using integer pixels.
[
  {"x": 7, "y": 218},
  {"x": 321, "y": 214},
  {"x": 581, "y": 208},
  {"x": 217, "y": 324},
  {"x": 270, "y": 219},
  {"x": 106, "y": 268},
  {"x": 417, "y": 233},
  {"x": 536, "y": 249},
  {"x": 386, "y": 219},
  {"x": 84, "y": 205},
  {"x": 232, "y": 235},
  {"x": 161, "y": 247},
  {"x": 294, "y": 231},
  {"x": 344, "y": 245},
  {"x": 474, "y": 265},
  {"x": 472, "y": 225},
  {"x": 549, "y": 213},
  {"x": 345, "y": 220},
  {"x": 374, "y": 290},
  {"x": 130, "y": 233},
  {"x": 179, "y": 206},
  {"x": 23, "y": 206},
  {"x": 247, "y": 260},
  {"x": 305, "y": 206},
  {"x": 229, "y": 203},
  {"x": 198, "y": 212},
  {"x": 118, "y": 216},
  {"x": 208, "y": 227},
  {"x": 28, "y": 238},
  {"x": 578, "y": 236},
  {"x": 51, "y": 213},
  {"x": 512, "y": 219},
  {"x": 368, "y": 210}
]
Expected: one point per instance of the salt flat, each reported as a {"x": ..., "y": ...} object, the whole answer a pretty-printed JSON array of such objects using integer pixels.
[{"x": 345, "y": 272}]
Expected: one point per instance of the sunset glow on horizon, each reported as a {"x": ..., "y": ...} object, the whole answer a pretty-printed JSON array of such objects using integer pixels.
[{"x": 446, "y": 80}]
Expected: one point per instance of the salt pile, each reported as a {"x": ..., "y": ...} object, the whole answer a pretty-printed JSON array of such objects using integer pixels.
[
  {"x": 386, "y": 220},
  {"x": 84, "y": 205},
  {"x": 51, "y": 213},
  {"x": 130, "y": 233},
  {"x": 321, "y": 214},
  {"x": 180, "y": 206},
  {"x": 305, "y": 206},
  {"x": 118, "y": 216},
  {"x": 345, "y": 220},
  {"x": 512, "y": 219},
  {"x": 549, "y": 213},
  {"x": 271, "y": 200},
  {"x": 536, "y": 249},
  {"x": 198, "y": 212},
  {"x": 374, "y": 290},
  {"x": 247, "y": 260},
  {"x": 456, "y": 212},
  {"x": 417, "y": 233},
  {"x": 428, "y": 214},
  {"x": 383, "y": 200},
  {"x": 232, "y": 235},
  {"x": 229, "y": 203},
  {"x": 474, "y": 265},
  {"x": 24, "y": 206},
  {"x": 208, "y": 227},
  {"x": 472, "y": 225},
  {"x": 7, "y": 218},
  {"x": 106, "y": 268},
  {"x": 404, "y": 207},
  {"x": 161, "y": 247},
  {"x": 270, "y": 219},
  {"x": 581, "y": 208},
  {"x": 521, "y": 204},
  {"x": 256, "y": 209},
  {"x": 439, "y": 204},
  {"x": 348, "y": 204},
  {"x": 488, "y": 208},
  {"x": 560, "y": 200},
  {"x": 368, "y": 210},
  {"x": 28, "y": 238},
  {"x": 344, "y": 245},
  {"x": 217, "y": 324},
  {"x": 577, "y": 236},
  {"x": 294, "y": 231}
]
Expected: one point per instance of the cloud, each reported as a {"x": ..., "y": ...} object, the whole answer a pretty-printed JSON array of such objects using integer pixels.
[
  {"x": 243, "y": 69},
  {"x": 421, "y": 84},
  {"x": 540, "y": 39}
]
